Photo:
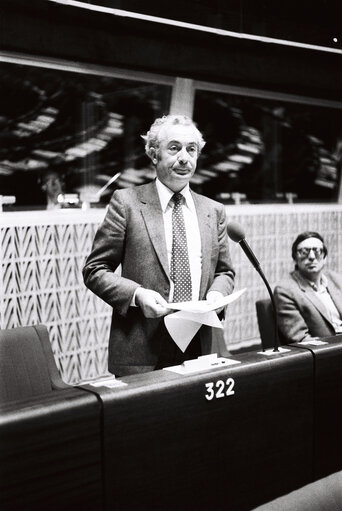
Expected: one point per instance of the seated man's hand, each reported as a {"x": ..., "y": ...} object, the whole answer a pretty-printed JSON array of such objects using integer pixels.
[
  {"x": 151, "y": 303},
  {"x": 212, "y": 297}
]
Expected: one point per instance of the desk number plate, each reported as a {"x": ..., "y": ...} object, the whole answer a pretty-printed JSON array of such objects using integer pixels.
[{"x": 219, "y": 389}]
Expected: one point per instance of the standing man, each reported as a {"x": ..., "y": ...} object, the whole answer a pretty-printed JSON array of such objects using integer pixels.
[
  {"x": 309, "y": 304},
  {"x": 172, "y": 246}
]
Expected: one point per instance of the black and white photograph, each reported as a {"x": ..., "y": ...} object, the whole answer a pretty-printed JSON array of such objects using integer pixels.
[{"x": 170, "y": 255}]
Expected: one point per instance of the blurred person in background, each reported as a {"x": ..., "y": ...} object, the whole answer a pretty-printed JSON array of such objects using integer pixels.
[{"x": 52, "y": 186}]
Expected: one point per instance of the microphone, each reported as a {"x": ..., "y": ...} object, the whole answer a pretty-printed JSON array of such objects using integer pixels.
[
  {"x": 109, "y": 182},
  {"x": 237, "y": 234}
]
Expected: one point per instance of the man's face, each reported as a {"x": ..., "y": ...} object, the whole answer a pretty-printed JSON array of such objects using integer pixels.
[
  {"x": 177, "y": 156},
  {"x": 310, "y": 262},
  {"x": 52, "y": 185}
]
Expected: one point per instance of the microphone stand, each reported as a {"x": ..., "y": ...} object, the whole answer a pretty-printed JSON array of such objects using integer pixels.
[
  {"x": 249, "y": 253},
  {"x": 276, "y": 334}
]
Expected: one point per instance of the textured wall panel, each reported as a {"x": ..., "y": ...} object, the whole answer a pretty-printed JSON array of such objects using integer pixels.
[{"x": 42, "y": 255}]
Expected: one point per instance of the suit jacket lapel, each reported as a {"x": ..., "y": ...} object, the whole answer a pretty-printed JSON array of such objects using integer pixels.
[
  {"x": 311, "y": 295},
  {"x": 153, "y": 217},
  {"x": 206, "y": 229}
]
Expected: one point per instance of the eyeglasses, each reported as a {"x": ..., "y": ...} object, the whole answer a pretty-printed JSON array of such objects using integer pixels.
[{"x": 305, "y": 251}]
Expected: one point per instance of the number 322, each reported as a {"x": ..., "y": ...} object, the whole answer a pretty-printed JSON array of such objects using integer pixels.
[{"x": 219, "y": 389}]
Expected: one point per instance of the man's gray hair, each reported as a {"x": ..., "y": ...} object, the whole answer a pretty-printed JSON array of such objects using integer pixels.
[{"x": 152, "y": 138}]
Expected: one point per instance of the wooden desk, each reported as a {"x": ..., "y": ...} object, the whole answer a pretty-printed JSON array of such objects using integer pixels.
[
  {"x": 229, "y": 438},
  {"x": 50, "y": 453},
  {"x": 327, "y": 360}
]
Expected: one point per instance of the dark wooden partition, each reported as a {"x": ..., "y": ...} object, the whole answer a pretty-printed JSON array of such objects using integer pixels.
[
  {"x": 327, "y": 361},
  {"x": 50, "y": 453},
  {"x": 227, "y": 438}
]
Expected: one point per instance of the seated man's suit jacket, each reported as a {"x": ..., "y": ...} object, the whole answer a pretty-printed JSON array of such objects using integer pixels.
[
  {"x": 301, "y": 314},
  {"x": 132, "y": 234}
]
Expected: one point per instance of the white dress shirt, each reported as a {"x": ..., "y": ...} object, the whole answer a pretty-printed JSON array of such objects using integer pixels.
[
  {"x": 322, "y": 292},
  {"x": 192, "y": 233}
]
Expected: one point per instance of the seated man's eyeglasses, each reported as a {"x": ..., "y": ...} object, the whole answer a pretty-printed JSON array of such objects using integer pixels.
[{"x": 305, "y": 251}]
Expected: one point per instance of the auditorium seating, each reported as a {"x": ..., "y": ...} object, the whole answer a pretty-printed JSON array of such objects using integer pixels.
[
  {"x": 231, "y": 436},
  {"x": 50, "y": 447},
  {"x": 27, "y": 364}
]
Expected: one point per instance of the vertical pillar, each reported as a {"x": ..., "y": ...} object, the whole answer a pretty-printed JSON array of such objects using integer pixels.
[{"x": 183, "y": 94}]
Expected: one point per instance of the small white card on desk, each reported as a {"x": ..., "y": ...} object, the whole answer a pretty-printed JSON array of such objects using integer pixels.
[
  {"x": 204, "y": 363},
  {"x": 314, "y": 342},
  {"x": 108, "y": 381}
]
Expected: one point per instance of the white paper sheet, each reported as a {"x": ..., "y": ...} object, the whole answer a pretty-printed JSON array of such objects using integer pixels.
[
  {"x": 184, "y": 324},
  {"x": 204, "y": 305}
]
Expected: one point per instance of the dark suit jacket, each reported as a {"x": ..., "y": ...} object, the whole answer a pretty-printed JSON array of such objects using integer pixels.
[
  {"x": 132, "y": 234},
  {"x": 301, "y": 315}
]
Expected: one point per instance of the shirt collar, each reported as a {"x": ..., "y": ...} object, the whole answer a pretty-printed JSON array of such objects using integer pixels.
[
  {"x": 165, "y": 195},
  {"x": 323, "y": 283}
]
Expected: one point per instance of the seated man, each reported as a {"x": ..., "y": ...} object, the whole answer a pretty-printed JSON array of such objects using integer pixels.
[{"x": 309, "y": 303}]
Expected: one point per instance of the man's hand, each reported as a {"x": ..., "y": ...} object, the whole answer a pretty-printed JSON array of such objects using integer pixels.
[
  {"x": 213, "y": 296},
  {"x": 151, "y": 303}
]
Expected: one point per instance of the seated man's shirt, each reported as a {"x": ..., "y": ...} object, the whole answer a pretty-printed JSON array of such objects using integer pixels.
[{"x": 322, "y": 293}]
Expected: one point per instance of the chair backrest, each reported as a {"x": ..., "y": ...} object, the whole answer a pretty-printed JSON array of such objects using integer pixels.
[
  {"x": 265, "y": 317},
  {"x": 27, "y": 364}
]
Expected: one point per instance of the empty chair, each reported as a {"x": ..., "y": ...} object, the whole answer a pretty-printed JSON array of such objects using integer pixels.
[
  {"x": 27, "y": 364},
  {"x": 265, "y": 315},
  {"x": 50, "y": 449}
]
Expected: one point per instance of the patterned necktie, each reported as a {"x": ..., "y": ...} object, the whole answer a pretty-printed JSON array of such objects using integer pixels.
[{"x": 180, "y": 266}]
